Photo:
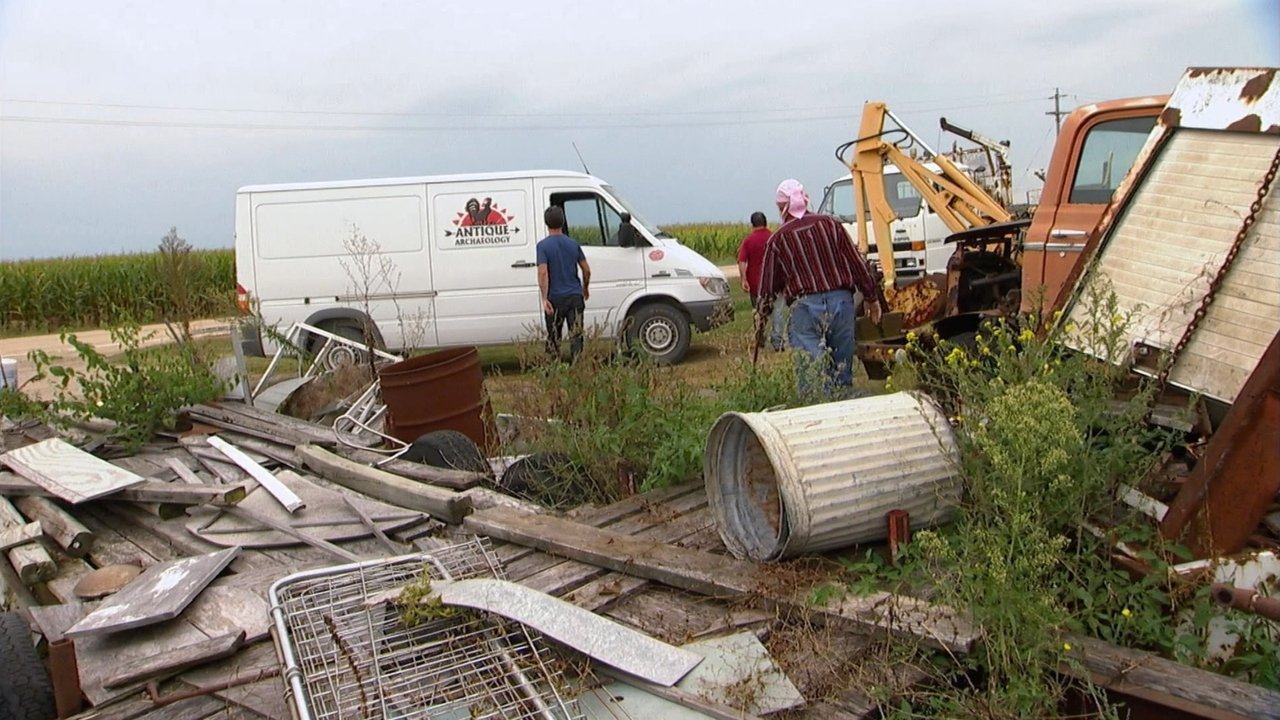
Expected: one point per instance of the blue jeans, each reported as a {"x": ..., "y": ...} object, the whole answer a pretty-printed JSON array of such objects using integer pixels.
[
  {"x": 822, "y": 327},
  {"x": 777, "y": 321}
]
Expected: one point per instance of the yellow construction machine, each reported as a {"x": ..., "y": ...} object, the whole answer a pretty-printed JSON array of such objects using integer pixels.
[{"x": 979, "y": 229}]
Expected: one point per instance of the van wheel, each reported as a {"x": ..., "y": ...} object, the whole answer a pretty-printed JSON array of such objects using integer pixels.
[
  {"x": 447, "y": 449},
  {"x": 661, "y": 331},
  {"x": 340, "y": 354},
  {"x": 26, "y": 693}
]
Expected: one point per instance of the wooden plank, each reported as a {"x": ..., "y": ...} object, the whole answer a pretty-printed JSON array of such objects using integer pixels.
[
  {"x": 269, "y": 482},
  {"x": 326, "y": 516},
  {"x": 719, "y": 576},
  {"x": 184, "y": 473},
  {"x": 443, "y": 504},
  {"x": 19, "y": 535},
  {"x": 145, "y": 491},
  {"x": 69, "y": 472},
  {"x": 172, "y": 537},
  {"x": 30, "y": 561},
  {"x": 277, "y": 428},
  {"x": 176, "y": 660},
  {"x": 263, "y": 697},
  {"x": 229, "y": 606},
  {"x": 1167, "y": 683},
  {"x": 160, "y": 593},
  {"x": 70, "y": 534},
  {"x": 293, "y": 532}
]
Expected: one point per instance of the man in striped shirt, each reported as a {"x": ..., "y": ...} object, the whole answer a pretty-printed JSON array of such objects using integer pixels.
[{"x": 811, "y": 261}]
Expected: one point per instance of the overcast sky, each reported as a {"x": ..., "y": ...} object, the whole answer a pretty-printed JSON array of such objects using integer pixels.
[{"x": 121, "y": 119}]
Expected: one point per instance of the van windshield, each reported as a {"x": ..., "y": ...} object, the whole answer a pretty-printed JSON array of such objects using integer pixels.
[
  {"x": 636, "y": 217},
  {"x": 902, "y": 197}
]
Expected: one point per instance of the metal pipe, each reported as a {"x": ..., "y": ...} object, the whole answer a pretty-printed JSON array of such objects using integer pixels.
[{"x": 1247, "y": 600}]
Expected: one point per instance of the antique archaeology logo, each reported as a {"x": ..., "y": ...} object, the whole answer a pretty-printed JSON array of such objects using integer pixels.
[{"x": 482, "y": 224}]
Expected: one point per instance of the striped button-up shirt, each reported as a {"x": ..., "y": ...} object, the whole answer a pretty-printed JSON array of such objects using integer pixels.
[{"x": 814, "y": 254}]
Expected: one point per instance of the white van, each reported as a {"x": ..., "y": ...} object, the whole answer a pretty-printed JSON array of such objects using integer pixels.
[
  {"x": 461, "y": 250},
  {"x": 919, "y": 235}
]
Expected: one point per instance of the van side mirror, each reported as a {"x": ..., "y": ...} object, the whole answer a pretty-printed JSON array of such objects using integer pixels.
[{"x": 628, "y": 236}]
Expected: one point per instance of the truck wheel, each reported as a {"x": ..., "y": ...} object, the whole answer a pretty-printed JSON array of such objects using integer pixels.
[
  {"x": 661, "y": 331},
  {"x": 340, "y": 354},
  {"x": 447, "y": 449},
  {"x": 26, "y": 693}
]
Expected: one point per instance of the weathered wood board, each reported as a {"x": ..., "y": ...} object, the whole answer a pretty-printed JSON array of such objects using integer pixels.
[
  {"x": 176, "y": 660},
  {"x": 160, "y": 593},
  {"x": 145, "y": 491},
  {"x": 19, "y": 535},
  {"x": 326, "y": 516},
  {"x": 719, "y": 576},
  {"x": 69, "y": 472}
]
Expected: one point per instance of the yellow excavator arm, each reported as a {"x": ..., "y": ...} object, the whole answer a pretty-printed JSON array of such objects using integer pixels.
[{"x": 959, "y": 201}]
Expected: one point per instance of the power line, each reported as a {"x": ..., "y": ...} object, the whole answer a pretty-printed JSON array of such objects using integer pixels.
[
  {"x": 407, "y": 128},
  {"x": 754, "y": 111}
]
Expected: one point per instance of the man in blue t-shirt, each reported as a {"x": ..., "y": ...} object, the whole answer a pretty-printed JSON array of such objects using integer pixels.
[{"x": 563, "y": 295}]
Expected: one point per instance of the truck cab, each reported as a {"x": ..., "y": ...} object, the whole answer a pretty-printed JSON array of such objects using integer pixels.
[
  {"x": 918, "y": 232},
  {"x": 1096, "y": 146}
]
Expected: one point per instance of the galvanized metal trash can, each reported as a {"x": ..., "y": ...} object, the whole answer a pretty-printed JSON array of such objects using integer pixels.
[{"x": 821, "y": 477}]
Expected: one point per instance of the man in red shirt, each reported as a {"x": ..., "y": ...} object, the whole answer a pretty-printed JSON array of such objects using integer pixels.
[
  {"x": 750, "y": 262},
  {"x": 812, "y": 262}
]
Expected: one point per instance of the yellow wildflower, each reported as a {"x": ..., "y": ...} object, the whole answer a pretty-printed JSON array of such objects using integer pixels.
[
  {"x": 1066, "y": 647},
  {"x": 1125, "y": 612},
  {"x": 1026, "y": 336}
]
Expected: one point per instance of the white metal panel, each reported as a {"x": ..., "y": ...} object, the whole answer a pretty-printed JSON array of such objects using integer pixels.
[{"x": 1171, "y": 241}]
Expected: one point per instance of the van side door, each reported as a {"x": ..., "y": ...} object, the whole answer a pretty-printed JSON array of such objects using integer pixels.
[
  {"x": 616, "y": 272},
  {"x": 484, "y": 243}
]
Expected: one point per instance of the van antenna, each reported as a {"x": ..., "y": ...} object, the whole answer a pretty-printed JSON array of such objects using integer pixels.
[{"x": 584, "y": 162}]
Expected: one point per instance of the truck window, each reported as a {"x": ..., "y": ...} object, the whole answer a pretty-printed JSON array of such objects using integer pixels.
[
  {"x": 589, "y": 219},
  {"x": 1109, "y": 151},
  {"x": 898, "y": 191}
]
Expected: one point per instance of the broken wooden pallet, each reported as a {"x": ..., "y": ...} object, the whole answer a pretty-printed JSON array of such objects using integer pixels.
[{"x": 719, "y": 576}]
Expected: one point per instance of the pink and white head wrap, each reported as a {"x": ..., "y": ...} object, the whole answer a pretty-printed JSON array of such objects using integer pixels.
[{"x": 791, "y": 192}]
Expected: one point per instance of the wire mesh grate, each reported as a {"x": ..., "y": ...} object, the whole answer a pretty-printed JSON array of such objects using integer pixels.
[{"x": 346, "y": 657}]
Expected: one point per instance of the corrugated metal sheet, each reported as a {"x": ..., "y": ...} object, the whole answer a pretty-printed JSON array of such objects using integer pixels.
[
  {"x": 824, "y": 476},
  {"x": 1169, "y": 243}
]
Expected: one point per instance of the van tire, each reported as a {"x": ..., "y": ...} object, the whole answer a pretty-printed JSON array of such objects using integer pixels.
[
  {"x": 340, "y": 355},
  {"x": 26, "y": 693},
  {"x": 448, "y": 449},
  {"x": 535, "y": 474},
  {"x": 661, "y": 331}
]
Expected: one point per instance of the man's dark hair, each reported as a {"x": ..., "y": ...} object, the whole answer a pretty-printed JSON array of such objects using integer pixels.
[
  {"x": 554, "y": 217},
  {"x": 759, "y": 220}
]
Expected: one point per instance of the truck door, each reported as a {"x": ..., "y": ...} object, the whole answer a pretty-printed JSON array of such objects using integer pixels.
[
  {"x": 616, "y": 272},
  {"x": 1077, "y": 191},
  {"x": 483, "y": 239}
]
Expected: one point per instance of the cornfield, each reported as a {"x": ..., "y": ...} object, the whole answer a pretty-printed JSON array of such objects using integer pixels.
[
  {"x": 82, "y": 292},
  {"x": 718, "y": 242}
]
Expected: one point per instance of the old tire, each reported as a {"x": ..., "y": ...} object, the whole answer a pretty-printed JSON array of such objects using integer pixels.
[
  {"x": 447, "y": 449},
  {"x": 26, "y": 693},
  {"x": 536, "y": 473},
  {"x": 660, "y": 331},
  {"x": 340, "y": 354}
]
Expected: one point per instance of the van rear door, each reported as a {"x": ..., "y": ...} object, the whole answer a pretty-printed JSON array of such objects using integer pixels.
[{"x": 483, "y": 242}]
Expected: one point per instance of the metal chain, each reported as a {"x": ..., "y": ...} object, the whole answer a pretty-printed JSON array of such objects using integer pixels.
[{"x": 1216, "y": 284}]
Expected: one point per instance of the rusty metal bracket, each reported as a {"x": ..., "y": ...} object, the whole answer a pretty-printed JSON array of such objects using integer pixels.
[
  {"x": 64, "y": 672},
  {"x": 158, "y": 700},
  {"x": 899, "y": 522}
]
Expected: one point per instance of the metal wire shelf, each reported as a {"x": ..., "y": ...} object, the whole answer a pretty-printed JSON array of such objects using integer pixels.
[{"x": 345, "y": 658}]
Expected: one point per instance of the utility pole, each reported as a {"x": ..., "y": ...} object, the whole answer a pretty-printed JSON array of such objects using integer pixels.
[{"x": 1057, "y": 111}]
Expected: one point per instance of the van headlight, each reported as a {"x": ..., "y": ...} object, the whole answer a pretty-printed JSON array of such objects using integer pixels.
[{"x": 716, "y": 286}]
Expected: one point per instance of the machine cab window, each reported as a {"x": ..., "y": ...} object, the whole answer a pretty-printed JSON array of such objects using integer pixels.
[{"x": 1109, "y": 151}]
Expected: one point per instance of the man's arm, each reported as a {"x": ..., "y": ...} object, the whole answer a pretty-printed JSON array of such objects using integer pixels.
[
  {"x": 586, "y": 278},
  {"x": 544, "y": 281},
  {"x": 872, "y": 293}
]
